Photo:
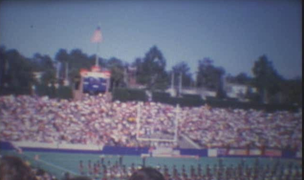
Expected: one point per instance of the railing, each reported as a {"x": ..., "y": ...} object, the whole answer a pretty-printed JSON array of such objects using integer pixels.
[{"x": 216, "y": 152}]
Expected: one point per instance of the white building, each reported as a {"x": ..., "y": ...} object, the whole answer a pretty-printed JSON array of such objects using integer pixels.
[
  {"x": 238, "y": 91},
  {"x": 199, "y": 91},
  {"x": 38, "y": 75}
]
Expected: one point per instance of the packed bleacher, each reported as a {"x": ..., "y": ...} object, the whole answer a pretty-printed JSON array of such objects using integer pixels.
[
  {"x": 242, "y": 128},
  {"x": 94, "y": 120}
]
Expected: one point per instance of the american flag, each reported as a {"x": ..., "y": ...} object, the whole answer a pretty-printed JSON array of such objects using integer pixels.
[{"x": 97, "y": 36}]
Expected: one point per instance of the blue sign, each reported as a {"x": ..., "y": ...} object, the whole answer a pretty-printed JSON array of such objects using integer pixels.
[{"x": 94, "y": 85}]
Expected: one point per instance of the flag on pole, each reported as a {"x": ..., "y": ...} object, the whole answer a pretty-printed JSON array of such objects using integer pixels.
[{"x": 97, "y": 37}]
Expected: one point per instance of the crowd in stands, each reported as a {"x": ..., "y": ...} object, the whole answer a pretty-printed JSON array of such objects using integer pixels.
[
  {"x": 94, "y": 120},
  {"x": 242, "y": 128}
]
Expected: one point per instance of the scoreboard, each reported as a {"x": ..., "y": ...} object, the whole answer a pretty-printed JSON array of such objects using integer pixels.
[
  {"x": 95, "y": 81},
  {"x": 94, "y": 85}
]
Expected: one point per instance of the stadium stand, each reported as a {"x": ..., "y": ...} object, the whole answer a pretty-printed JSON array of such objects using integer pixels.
[
  {"x": 94, "y": 120},
  {"x": 97, "y": 139}
]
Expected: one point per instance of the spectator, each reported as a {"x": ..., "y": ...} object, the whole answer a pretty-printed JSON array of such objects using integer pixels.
[
  {"x": 147, "y": 174},
  {"x": 13, "y": 168},
  {"x": 94, "y": 120}
]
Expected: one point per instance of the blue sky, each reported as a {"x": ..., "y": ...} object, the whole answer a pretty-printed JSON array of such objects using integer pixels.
[{"x": 234, "y": 34}]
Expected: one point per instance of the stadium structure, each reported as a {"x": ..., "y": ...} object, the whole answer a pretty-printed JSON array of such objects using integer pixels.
[{"x": 170, "y": 151}]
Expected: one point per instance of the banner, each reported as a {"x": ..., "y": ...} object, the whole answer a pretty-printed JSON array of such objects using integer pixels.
[
  {"x": 29, "y": 144},
  {"x": 162, "y": 151},
  {"x": 255, "y": 152},
  {"x": 221, "y": 152},
  {"x": 238, "y": 152},
  {"x": 273, "y": 153},
  {"x": 212, "y": 152}
]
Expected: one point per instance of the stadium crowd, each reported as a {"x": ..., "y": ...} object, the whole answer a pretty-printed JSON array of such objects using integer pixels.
[
  {"x": 242, "y": 128},
  {"x": 94, "y": 120}
]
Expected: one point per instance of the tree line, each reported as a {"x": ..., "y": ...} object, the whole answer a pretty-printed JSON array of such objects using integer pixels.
[{"x": 16, "y": 73}]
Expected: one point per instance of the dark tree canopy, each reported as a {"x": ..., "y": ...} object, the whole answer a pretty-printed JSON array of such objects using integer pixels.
[
  {"x": 116, "y": 67},
  {"x": 183, "y": 69},
  {"x": 151, "y": 70},
  {"x": 292, "y": 91},
  {"x": 17, "y": 74},
  {"x": 266, "y": 78},
  {"x": 242, "y": 78},
  {"x": 17, "y": 71},
  {"x": 62, "y": 57},
  {"x": 42, "y": 62},
  {"x": 208, "y": 75}
]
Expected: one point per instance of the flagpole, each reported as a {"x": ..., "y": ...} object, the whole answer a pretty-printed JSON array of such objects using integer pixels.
[
  {"x": 180, "y": 85},
  {"x": 172, "y": 80},
  {"x": 57, "y": 68},
  {"x": 96, "y": 61},
  {"x": 67, "y": 74}
]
